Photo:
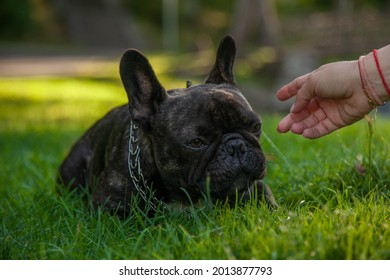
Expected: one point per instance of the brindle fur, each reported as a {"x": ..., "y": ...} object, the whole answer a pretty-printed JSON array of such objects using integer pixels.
[{"x": 230, "y": 159}]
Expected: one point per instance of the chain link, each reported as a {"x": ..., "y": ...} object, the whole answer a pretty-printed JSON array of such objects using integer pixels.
[{"x": 135, "y": 172}]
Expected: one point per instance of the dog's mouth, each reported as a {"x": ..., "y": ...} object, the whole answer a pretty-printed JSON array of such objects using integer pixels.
[
  {"x": 227, "y": 175},
  {"x": 222, "y": 185}
]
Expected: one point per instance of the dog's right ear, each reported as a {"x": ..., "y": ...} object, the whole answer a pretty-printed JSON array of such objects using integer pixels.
[
  {"x": 222, "y": 71},
  {"x": 144, "y": 91}
]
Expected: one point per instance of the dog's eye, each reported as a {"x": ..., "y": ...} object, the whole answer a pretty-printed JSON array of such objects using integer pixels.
[
  {"x": 256, "y": 128},
  {"x": 196, "y": 143}
]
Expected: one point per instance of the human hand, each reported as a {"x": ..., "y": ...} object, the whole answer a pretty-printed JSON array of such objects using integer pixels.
[{"x": 327, "y": 99}]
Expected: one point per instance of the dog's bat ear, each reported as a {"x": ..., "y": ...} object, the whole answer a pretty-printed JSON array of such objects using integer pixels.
[
  {"x": 222, "y": 71},
  {"x": 143, "y": 89}
]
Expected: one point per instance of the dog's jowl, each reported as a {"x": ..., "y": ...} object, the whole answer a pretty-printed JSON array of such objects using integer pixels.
[{"x": 171, "y": 145}]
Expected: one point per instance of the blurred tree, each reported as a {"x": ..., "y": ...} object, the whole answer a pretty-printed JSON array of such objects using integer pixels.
[
  {"x": 98, "y": 23},
  {"x": 15, "y": 18},
  {"x": 255, "y": 20},
  {"x": 133, "y": 23},
  {"x": 170, "y": 24},
  {"x": 46, "y": 26},
  {"x": 194, "y": 19}
]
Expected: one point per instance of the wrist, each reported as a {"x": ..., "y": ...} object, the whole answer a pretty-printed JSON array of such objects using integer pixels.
[
  {"x": 376, "y": 75},
  {"x": 365, "y": 85}
]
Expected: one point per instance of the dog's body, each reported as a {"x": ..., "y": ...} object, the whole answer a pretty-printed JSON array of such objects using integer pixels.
[{"x": 171, "y": 145}]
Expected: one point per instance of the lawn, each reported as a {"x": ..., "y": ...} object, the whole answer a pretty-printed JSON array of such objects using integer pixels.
[{"x": 333, "y": 192}]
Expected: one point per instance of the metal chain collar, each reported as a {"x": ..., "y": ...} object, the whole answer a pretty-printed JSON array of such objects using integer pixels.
[{"x": 135, "y": 172}]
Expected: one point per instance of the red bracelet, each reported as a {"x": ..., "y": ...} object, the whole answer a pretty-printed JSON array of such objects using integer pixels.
[
  {"x": 370, "y": 101},
  {"x": 380, "y": 72}
]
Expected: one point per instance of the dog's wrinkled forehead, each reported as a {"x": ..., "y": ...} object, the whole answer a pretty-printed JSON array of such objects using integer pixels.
[
  {"x": 222, "y": 105},
  {"x": 224, "y": 93}
]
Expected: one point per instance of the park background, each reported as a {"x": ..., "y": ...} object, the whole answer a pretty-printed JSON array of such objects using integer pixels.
[
  {"x": 277, "y": 40},
  {"x": 59, "y": 74}
]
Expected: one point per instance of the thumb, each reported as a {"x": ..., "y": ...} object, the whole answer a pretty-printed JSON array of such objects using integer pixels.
[
  {"x": 303, "y": 97},
  {"x": 291, "y": 89}
]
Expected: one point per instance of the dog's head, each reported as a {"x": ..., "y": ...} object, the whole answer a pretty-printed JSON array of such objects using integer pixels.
[{"x": 202, "y": 136}]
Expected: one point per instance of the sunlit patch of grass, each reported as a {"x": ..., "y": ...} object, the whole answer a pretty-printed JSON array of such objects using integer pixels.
[
  {"x": 32, "y": 102},
  {"x": 61, "y": 89},
  {"x": 308, "y": 170}
]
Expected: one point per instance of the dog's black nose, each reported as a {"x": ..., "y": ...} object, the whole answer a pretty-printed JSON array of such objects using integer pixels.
[
  {"x": 235, "y": 147},
  {"x": 234, "y": 144}
]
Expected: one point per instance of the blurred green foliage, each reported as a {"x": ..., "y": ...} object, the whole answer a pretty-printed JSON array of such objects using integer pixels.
[
  {"x": 299, "y": 6},
  {"x": 15, "y": 18},
  {"x": 188, "y": 9},
  {"x": 18, "y": 19}
]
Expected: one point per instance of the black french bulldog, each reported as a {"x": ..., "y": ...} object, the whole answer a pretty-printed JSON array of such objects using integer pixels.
[{"x": 175, "y": 145}]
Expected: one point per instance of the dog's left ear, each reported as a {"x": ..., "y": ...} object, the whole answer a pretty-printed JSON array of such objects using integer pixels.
[
  {"x": 222, "y": 71},
  {"x": 143, "y": 89}
]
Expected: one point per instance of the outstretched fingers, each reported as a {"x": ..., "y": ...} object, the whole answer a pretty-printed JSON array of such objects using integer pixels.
[
  {"x": 323, "y": 128},
  {"x": 311, "y": 122},
  {"x": 309, "y": 128},
  {"x": 296, "y": 121},
  {"x": 304, "y": 96},
  {"x": 291, "y": 119}
]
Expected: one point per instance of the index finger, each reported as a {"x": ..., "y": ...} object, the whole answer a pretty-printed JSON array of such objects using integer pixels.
[{"x": 292, "y": 88}]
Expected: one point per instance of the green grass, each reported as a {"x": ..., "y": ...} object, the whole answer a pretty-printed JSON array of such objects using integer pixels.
[{"x": 333, "y": 192}]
